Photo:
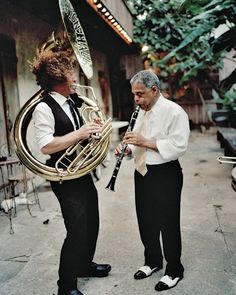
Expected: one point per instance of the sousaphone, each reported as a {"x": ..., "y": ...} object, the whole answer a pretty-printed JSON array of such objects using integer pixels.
[{"x": 89, "y": 155}]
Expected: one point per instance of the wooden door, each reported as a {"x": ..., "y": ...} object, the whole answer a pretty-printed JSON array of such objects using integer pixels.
[{"x": 9, "y": 100}]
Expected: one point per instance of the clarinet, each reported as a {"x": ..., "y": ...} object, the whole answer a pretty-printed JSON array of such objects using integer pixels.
[{"x": 111, "y": 184}]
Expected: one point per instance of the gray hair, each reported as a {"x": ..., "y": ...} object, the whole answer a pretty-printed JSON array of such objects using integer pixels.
[{"x": 146, "y": 77}]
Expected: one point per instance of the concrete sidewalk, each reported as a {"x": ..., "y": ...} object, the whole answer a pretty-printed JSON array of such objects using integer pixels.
[{"x": 29, "y": 258}]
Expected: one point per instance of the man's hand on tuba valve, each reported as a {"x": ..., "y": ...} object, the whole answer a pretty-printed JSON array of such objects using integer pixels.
[
  {"x": 89, "y": 130},
  {"x": 97, "y": 135}
]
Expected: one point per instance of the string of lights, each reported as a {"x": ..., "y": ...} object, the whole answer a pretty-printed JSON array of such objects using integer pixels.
[{"x": 102, "y": 10}]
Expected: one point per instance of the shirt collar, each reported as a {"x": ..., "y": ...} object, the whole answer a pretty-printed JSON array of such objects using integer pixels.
[
  {"x": 157, "y": 104},
  {"x": 60, "y": 99}
]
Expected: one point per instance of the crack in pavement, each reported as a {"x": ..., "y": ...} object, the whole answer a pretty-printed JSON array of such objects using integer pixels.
[
  {"x": 15, "y": 258},
  {"x": 219, "y": 229}
]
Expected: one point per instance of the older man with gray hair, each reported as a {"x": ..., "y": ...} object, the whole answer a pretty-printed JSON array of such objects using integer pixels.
[{"x": 159, "y": 138}]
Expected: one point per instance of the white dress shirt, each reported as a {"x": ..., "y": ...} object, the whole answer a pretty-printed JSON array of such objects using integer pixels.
[
  {"x": 168, "y": 125},
  {"x": 44, "y": 122}
]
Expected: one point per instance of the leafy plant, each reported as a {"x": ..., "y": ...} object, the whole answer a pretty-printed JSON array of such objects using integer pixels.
[
  {"x": 229, "y": 99},
  {"x": 180, "y": 36}
]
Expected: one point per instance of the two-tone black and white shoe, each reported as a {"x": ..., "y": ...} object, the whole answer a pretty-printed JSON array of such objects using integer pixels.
[
  {"x": 167, "y": 282},
  {"x": 145, "y": 271}
]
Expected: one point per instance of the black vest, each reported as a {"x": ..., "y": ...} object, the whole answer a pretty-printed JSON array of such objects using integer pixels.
[{"x": 63, "y": 125}]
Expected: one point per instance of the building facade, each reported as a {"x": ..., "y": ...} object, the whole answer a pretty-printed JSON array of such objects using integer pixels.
[{"x": 25, "y": 24}]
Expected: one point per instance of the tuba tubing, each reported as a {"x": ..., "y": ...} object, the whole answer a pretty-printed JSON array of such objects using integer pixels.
[{"x": 89, "y": 157}]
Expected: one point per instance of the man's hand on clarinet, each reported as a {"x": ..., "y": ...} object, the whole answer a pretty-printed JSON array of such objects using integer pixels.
[
  {"x": 134, "y": 138},
  {"x": 119, "y": 149}
]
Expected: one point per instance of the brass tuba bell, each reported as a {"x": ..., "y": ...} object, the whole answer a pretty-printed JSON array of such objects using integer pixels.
[{"x": 90, "y": 153}]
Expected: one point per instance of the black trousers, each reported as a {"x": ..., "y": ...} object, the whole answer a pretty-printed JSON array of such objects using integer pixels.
[
  {"x": 157, "y": 196},
  {"x": 79, "y": 205}
]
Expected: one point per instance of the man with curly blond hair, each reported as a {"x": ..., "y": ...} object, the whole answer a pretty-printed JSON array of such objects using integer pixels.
[{"x": 58, "y": 125}]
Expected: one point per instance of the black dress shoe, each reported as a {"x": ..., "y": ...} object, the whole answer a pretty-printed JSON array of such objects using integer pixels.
[
  {"x": 145, "y": 271},
  {"x": 96, "y": 270},
  {"x": 70, "y": 292},
  {"x": 167, "y": 282}
]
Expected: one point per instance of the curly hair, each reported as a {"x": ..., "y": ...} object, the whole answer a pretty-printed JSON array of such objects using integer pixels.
[{"x": 51, "y": 68}]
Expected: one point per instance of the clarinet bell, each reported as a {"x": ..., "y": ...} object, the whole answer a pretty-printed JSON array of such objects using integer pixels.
[{"x": 111, "y": 184}]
